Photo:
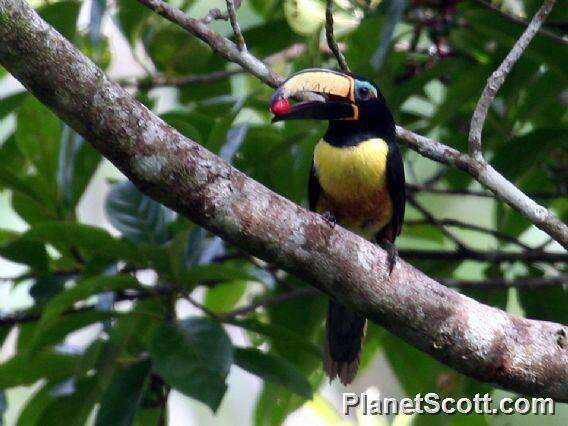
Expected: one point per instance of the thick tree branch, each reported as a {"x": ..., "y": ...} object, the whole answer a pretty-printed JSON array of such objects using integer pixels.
[
  {"x": 498, "y": 77},
  {"x": 530, "y": 357},
  {"x": 481, "y": 171}
]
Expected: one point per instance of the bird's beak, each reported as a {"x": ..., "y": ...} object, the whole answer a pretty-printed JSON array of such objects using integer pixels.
[{"x": 330, "y": 96}]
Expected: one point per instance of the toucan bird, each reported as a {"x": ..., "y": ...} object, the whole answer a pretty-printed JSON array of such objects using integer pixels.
[{"x": 356, "y": 180}]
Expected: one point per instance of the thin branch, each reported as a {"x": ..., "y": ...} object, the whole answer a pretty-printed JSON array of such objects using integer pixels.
[
  {"x": 486, "y": 343},
  {"x": 221, "y": 45},
  {"x": 498, "y": 77},
  {"x": 30, "y": 316},
  {"x": 540, "y": 216},
  {"x": 332, "y": 43},
  {"x": 214, "y": 15},
  {"x": 521, "y": 21},
  {"x": 414, "y": 187},
  {"x": 435, "y": 222},
  {"x": 496, "y": 256},
  {"x": 469, "y": 226},
  {"x": 272, "y": 300},
  {"x": 497, "y": 283},
  {"x": 289, "y": 54},
  {"x": 231, "y": 10},
  {"x": 199, "y": 306}
]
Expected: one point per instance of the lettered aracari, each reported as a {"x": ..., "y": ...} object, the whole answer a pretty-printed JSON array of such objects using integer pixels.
[{"x": 356, "y": 180}]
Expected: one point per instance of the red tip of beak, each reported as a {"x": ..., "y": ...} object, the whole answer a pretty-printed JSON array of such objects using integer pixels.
[{"x": 280, "y": 107}]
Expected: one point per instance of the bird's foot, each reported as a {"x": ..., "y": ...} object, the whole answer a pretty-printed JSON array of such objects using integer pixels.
[
  {"x": 329, "y": 218},
  {"x": 392, "y": 254}
]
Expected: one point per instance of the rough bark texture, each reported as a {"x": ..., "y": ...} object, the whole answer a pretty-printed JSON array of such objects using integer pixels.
[
  {"x": 480, "y": 170},
  {"x": 530, "y": 357}
]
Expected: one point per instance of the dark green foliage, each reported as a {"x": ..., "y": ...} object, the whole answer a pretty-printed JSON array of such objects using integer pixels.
[
  {"x": 82, "y": 273},
  {"x": 193, "y": 356}
]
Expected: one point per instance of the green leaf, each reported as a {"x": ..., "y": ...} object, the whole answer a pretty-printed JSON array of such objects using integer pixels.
[
  {"x": 63, "y": 16},
  {"x": 90, "y": 240},
  {"x": 304, "y": 317},
  {"x": 67, "y": 324},
  {"x": 46, "y": 286},
  {"x": 35, "y": 406},
  {"x": 169, "y": 46},
  {"x": 38, "y": 135},
  {"x": 24, "y": 185},
  {"x": 77, "y": 405},
  {"x": 292, "y": 339},
  {"x": 138, "y": 217},
  {"x": 224, "y": 296},
  {"x": 65, "y": 300},
  {"x": 10, "y": 103},
  {"x": 78, "y": 162},
  {"x": 273, "y": 368},
  {"x": 131, "y": 17},
  {"x": 546, "y": 304},
  {"x": 194, "y": 357},
  {"x": 31, "y": 208},
  {"x": 215, "y": 272},
  {"x": 520, "y": 154},
  {"x": 26, "y": 251},
  {"x": 121, "y": 400},
  {"x": 19, "y": 371},
  {"x": 3, "y": 407}
]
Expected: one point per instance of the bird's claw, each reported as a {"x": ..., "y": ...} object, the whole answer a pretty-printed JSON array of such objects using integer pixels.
[
  {"x": 392, "y": 254},
  {"x": 329, "y": 218}
]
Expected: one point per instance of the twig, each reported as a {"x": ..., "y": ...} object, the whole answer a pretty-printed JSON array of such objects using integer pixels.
[
  {"x": 521, "y": 21},
  {"x": 469, "y": 226},
  {"x": 198, "y": 305},
  {"x": 221, "y": 45},
  {"x": 488, "y": 344},
  {"x": 497, "y": 79},
  {"x": 482, "y": 172},
  {"x": 235, "y": 24},
  {"x": 272, "y": 300},
  {"x": 491, "y": 256},
  {"x": 496, "y": 283},
  {"x": 332, "y": 43},
  {"x": 289, "y": 54},
  {"x": 435, "y": 222},
  {"x": 540, "y": 216},
  {"x": 214, "y": 15},
  {"x": 414, "y": 187}
]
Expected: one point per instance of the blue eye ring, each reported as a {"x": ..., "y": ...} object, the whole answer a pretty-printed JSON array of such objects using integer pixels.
[{"x": 365, "y": 91}]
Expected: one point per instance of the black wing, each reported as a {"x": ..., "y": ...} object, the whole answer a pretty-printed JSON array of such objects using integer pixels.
[
  {"x": 396, "y": 186},
  {"x": 314, "y": 189}
]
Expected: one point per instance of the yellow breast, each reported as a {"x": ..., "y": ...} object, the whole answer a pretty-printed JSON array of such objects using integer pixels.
[
  {"x": 354, "y": 185},
  {"x": 350, "y": 173}
]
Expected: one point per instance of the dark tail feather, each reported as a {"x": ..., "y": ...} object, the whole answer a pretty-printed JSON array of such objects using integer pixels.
[{"x": 345, "y": 335}]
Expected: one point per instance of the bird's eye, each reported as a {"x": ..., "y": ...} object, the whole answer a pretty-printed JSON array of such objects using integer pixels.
[{"x": 364, "y": 93}]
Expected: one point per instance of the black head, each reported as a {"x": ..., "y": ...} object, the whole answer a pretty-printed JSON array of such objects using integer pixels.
[{"x": 353, "y": 105}]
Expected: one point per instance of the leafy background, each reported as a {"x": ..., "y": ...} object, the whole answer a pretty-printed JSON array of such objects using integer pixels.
[{"x": 95, "y": 274}]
